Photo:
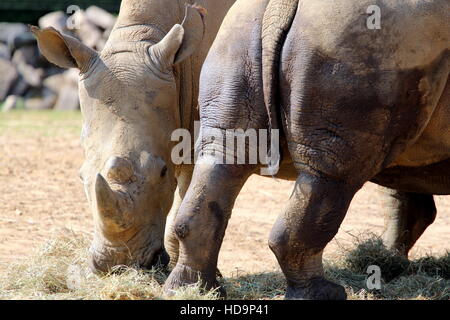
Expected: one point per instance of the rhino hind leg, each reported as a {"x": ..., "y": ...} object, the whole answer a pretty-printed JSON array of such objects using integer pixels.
[
  {"x": 311, "y": 219},
  {"x": 407, "y": 217},
  {"x": 201, "y": 222}
]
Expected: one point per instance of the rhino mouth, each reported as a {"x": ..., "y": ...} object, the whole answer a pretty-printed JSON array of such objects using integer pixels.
[
  {"x": 160, "y": 259},
  {"x": 120, "y": 242},
  {"x": 107, "y": 263}
]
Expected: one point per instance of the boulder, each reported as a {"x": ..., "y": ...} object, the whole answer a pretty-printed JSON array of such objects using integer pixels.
[
  {"x": 8, "y": 76},
  {"x": 20, "y": 87},
  {"x": 52, "y": 70},
  {"x": 55, "y": 82},
  {"x": 88, "y": 32},
  {"x": 10, "y": 103},
  {"x": 26, "y": 54},
  {"x": 25, "y": 73},
  {"x": 57, "y": 20},
  {"x": 22, "y": 40},
  {"x": 106, "y": 34},
  {"x": 100, "y": 17},
  {"x": 68, "y": 98},
  {"x": 72, "y": 76},
  {"x": 5, "y": 52},
  {"x": 65, "y": 85},
  {"x": 9, "y": 31},
  {"x": 26, "y": 59},
  {"x": 40, "y": 99},
  {"x": 31, "y": 75}
]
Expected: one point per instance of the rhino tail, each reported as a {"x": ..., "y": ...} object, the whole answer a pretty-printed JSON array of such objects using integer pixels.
[{"x": 277, "y": 20}]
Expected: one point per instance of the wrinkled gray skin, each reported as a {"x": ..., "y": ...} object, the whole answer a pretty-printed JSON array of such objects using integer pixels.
[
  {"x": 134, "y": 94},
  {"x": 353, "y": 105}
]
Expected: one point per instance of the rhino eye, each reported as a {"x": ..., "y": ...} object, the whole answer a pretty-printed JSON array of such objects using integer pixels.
[
  {"x": 163, "y": 172},
  {"x": 80, "y": 175},
  {"x": 110, "y": 101}
]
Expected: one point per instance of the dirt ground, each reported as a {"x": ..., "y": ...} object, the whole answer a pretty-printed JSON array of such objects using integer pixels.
[{"x": 41, "y": 197}]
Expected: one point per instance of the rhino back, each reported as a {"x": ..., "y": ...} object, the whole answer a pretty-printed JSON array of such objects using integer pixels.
[{"x": 349, "y": 92}]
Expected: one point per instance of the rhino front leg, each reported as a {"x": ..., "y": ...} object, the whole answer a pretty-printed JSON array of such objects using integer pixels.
[
  {"x": 201, "y": 222},
  {"x": 407, "y": 217},
  {"x": 170, "y": 239},
  {"x": 311, "y": 219}
]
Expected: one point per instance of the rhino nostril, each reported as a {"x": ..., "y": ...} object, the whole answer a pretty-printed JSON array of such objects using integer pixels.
[{"x": 119, "y": 170}]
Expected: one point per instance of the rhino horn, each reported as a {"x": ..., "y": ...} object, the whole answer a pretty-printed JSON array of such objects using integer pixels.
[{"x": 107, "y": 202}]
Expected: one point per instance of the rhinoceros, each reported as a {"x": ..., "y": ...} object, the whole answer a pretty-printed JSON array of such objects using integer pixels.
[
  {"x": 353, "y": 103},
  {"x": 133, "y": 94}
]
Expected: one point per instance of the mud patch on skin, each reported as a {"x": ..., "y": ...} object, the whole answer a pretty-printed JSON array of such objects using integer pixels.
[
  {"x": 182, "y": 230},
  {"x": 218, "y": 214}
]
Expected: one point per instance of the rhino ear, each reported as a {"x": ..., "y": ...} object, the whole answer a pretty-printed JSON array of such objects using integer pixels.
[
  {"x": 63, "y": 50},
  {"x": 181, "y": 41}
]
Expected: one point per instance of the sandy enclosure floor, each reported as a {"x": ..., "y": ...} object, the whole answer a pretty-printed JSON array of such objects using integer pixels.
[{"x": 41, "y": 197}]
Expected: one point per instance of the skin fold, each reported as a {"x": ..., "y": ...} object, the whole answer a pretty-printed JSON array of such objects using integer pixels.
[
  {"x": 352, "y": 104},
  {"x": 133, "y": 95}
]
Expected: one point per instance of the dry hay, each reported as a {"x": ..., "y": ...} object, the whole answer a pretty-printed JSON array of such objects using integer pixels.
[{"x": 59, "y": 270}]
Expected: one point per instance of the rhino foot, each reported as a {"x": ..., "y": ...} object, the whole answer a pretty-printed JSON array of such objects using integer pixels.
[
  {"x": 317, "y": 289},
  {"x": 183, "y": 276}
]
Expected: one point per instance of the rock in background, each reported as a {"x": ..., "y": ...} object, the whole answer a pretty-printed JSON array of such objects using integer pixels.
[{"x": 25, "y": 74}]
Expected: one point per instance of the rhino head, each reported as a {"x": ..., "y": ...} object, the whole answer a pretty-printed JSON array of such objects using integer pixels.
[{"x": 129, "y": 102}]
